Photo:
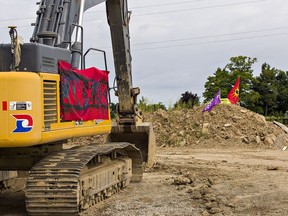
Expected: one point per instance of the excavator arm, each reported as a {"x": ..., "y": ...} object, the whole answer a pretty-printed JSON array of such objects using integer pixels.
[
  {"x": 118, "y": 18},
  {"x": 129, "y": 127}
]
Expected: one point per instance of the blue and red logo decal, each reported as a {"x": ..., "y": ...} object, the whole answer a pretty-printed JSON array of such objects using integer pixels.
[{"x": 24, "y": 123}]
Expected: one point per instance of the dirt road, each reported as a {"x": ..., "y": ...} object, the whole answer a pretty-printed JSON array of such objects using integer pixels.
[{"x": 195, "y": 182}]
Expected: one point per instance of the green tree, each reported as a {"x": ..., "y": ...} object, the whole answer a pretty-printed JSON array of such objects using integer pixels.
[
  {"x": 113, "y": 110},
  {"x": 282, "y": 89},
  {"x": 256, "y": 104},
  {"x": 267, "y": 88},
  {"x": 188, "y": 100},
  {"x": 219, "y": 80},
  {"x": 225, "y": 78},
  {"x": 242, "y": 66},
  {"x": 145, "y": 106}
]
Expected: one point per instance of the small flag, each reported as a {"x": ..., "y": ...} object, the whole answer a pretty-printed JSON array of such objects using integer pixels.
[
  {"x": 233, "y": 95},
  {"x": 216, "y": 100}
]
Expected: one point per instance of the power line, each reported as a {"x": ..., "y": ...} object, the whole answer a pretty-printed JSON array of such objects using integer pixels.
[
  {"x": 200, "y": 8},
  {"x": 211, "y": 36},
  {"x": 190, "y": 9},
  {"x": 202, "y": 43},
  {"x": 156, "y": 5},
  {"x": 211, "y": 42},
  {"x": 203, "y": 37},
  {"x": 208, "y": 42},
  {"x": 160, "y": 12},
  {"x": 137, "y": 7},
  {"x": 206, "y": 37},
  {"x": 166, "y": 4}
]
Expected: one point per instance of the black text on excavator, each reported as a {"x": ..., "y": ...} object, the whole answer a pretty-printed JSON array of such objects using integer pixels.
[{"x": 48, "y": 96}]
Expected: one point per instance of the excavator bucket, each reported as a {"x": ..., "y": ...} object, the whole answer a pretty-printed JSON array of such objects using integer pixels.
[{"x": 142, "y": 136}]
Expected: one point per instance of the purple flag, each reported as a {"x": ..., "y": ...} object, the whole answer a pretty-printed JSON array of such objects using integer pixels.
[{"x": 216, "y": 100}]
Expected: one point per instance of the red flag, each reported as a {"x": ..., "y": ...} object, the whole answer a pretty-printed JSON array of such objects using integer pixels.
[
  {"x": 84, "y": 93},
  {"x": 233, "y": 95}
]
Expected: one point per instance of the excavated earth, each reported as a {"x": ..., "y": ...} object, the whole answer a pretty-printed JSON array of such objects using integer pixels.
[{"x": 230, "y": 161}]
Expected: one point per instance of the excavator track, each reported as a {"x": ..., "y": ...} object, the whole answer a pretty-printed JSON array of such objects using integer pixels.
[{"x": 72, "y": 180}]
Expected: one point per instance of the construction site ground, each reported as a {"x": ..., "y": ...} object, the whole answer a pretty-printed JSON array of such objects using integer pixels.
[{"x": 226, "y": 162}]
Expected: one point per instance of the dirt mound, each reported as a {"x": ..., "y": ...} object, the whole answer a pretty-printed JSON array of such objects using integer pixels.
[{"x": 225, "y": 125}]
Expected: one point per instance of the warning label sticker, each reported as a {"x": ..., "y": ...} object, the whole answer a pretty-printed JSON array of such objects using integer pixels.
[{"x": 26, "y": 105}]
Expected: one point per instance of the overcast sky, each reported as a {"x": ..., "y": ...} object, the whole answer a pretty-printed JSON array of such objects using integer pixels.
[{"x": 177, "y": 44}]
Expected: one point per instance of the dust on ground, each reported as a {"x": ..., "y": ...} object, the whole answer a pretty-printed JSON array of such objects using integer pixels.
[{"x": 226, "y": 162}]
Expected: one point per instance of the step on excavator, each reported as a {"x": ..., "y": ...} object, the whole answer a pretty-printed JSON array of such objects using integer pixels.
[{"x": 48, "y": 96}]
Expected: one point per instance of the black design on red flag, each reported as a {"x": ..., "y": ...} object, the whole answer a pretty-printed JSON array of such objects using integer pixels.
[{"x": 84, "y": 93}]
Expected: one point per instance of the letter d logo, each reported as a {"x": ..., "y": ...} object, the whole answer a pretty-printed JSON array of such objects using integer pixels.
[{"x": 24, "y": 123}]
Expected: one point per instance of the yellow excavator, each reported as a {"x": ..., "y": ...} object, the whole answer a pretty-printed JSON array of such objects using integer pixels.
[{"x": 48, "y": 96}]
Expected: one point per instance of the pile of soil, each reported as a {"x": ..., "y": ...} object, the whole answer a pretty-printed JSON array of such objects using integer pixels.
[{"x": 225, "y": 126}]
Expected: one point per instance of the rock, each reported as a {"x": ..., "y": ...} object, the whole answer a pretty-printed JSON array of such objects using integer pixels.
[
  {"x": 245, "y": 140},
  {"x": 210, "y": 197},
  {"x": 190, "y": 190},
  {"x": 182, "y": 143},
  {"x": 196, "y": 195},
  {"x": 209, "y": 205},
  {"x": 257, "y": 139},
  {"x": 227, "y": 136},
  {"x": 282, "y": 141},
  {"x": 270, "y": 139},
  {"x": 180, "y": 187},
  {"x": 273, "y": 137},
  {"x": 211, "y": 181},
  {"x": 272, "y": 168},
  {"x": 243, "y": 111},
  {"x": 235, "y": 118},
  {"x": 205, "y": 213},
  {"x": 191, "y": 177},
  {"x": 214, "y": 210},
  {"x": 205, "y": 129},
  {"x": 261, "y": 119},
  {"x": 181, "y": 180},
  {"x": 212, "y": 113}
]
